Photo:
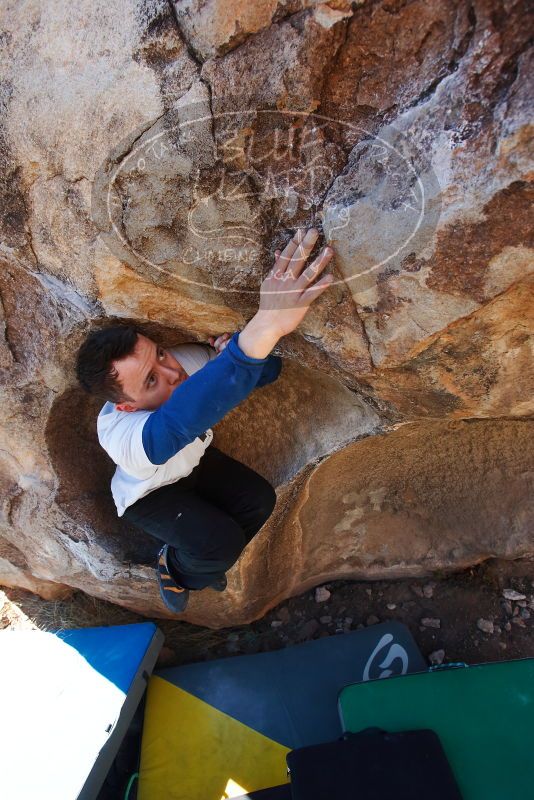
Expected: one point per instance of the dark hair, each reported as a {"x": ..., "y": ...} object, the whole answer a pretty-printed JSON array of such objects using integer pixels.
[{"x": 94, "y": 368}]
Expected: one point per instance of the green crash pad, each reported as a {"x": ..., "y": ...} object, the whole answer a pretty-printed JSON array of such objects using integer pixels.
[{"x": 483, "y": 714}]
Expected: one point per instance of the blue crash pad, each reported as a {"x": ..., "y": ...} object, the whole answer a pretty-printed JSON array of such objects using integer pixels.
[{"x": 222, "y": 728}]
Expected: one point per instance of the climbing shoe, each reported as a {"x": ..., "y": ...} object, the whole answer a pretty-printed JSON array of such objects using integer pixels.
[
  {"x": 174, "y": 596},
  {"x": 219, "y": 585}
]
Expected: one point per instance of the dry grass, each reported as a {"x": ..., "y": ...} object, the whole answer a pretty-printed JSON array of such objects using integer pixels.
[{"x": 22, "y": 610}]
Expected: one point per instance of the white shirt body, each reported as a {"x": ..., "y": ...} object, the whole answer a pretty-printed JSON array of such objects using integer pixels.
[{"x": 120, "y": 434}]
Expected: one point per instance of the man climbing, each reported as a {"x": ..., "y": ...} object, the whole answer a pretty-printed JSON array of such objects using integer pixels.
[{"x": 156, "y": 426}]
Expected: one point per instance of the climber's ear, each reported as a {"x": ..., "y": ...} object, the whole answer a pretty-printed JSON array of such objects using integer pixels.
[{"x": 124, "y": 407}]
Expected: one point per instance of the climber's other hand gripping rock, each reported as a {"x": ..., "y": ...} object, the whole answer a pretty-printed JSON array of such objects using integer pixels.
[{"x": 219, "y": 342}]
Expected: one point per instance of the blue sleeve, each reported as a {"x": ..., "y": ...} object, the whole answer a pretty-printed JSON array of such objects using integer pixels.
[
  {"x": 204, "y": 399},
  {"x": 270, "y": 372}
]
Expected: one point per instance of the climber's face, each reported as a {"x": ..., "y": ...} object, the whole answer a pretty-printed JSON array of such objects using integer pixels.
[{"x": 149, "y": 376}]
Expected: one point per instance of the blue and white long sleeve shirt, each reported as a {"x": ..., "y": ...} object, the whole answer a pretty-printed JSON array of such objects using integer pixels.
[{"x": 154, "y": 448}]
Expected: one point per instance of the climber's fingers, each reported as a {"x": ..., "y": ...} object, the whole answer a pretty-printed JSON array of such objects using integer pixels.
[
  {"x": 219, "y": 342},
  {"x": 315, "y": 268},
  {"x": 301, "y": 253},
  {"x": 287, "y": 253},
  {"x": 313, "y": 291}
]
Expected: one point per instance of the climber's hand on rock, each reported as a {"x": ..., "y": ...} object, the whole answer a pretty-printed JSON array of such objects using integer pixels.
[
  {"x": 291, "y": 287},
  {"x": 286, "y": 294},
  {"x": 220, "y": 342}
]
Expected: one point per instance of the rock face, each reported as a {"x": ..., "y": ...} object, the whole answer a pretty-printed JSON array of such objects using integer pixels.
[{"x": 154, "y": 155}]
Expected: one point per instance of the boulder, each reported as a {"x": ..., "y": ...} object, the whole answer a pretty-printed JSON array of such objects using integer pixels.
[{"x": 154, "y": 155}]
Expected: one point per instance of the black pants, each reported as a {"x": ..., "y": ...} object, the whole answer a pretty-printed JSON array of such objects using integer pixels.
[{"x": 208, "y": 517}]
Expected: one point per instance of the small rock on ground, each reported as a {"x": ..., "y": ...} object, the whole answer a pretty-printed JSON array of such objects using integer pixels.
[
  {"x": 322, "y": 594},
  {"x": 436, "y": 657},
  {"x": 519, "y": 621},
  {"x": 511, "y": 594},
  {"x": 429, "y": 622},
  {"x": 485, "y": 625}
]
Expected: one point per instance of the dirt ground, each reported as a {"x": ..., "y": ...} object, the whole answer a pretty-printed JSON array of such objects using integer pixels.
[{"x": 463, "y": 617}]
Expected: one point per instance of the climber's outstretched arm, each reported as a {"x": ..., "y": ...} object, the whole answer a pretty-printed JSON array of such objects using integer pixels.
[
  {"x": 206, "y": 396},
  {"x": 203, "y": 399}
]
